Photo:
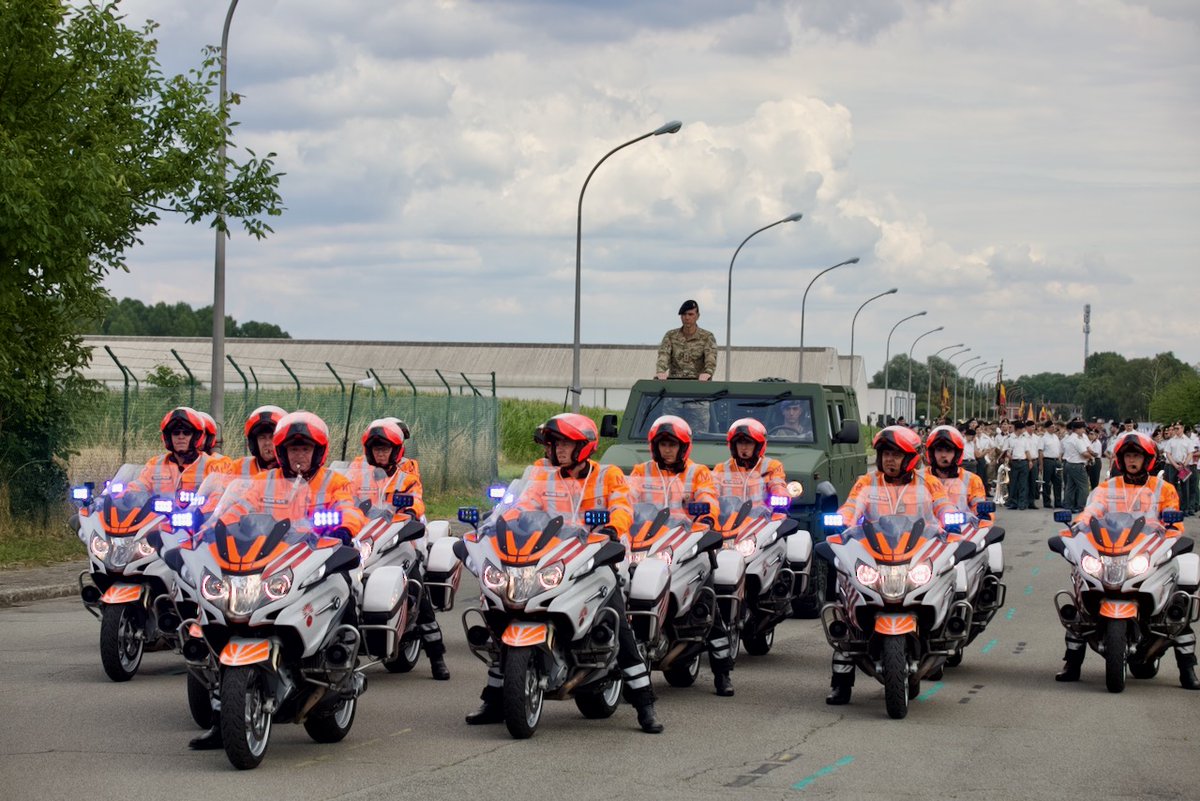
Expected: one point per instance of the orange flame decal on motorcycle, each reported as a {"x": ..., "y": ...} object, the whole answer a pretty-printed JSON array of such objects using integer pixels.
[
  {"x": 122, "y": 594},
  {"x": 896, "y": 624},
  {"x": 520, "y": 635},
  {"x": 237, "y": 654},
  {"x": 1118, "y": 610}
]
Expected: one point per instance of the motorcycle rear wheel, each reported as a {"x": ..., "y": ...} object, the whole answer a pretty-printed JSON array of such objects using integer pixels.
[
  {"x": 760, "y": 644},
  {"x": 1144, "y": 670},
  {"x": 199, "y": 702},
  {"x": 895, "y": 676},
  {"x": 523, "y": 693},
  {"x": 1114, "y": 655},
  {"x": 808, "y": 606},
  {"x": 406, "y": 660},
  {"x": 601, "y": 702},
  {"x": 121, "y": 640},
  {"x": 332, "y": 726},
  {"x": 683, "y": 673},
  {"x": 245, "y": 723}
]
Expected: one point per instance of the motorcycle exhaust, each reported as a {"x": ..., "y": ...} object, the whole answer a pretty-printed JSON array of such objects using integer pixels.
[
  {"x": 90, "y": 594},
  {"x": 195, "y": 651}
]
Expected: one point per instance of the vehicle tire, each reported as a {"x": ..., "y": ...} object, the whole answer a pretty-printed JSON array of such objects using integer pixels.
[
  {"x": 914, "y": 687},
  {"x": 406, "y": 660},
  {"x": 122, "y": 641},
  {"x": 955, "y": 659},
  {"x": 683, "y": 673},
  {"x": 245, "y": 724},
  {"x": 523, "y": 697},
  {"x": 895, "y": 676},
  {"x": 1114, "y": 655},
  {"x": 199, "y": 702},
  {"x": 1144, "y": 670},
  {"x": 332, "y": 726},
  {"x": 759, "y": 644},
  {"x": 808, "y": 606},
  {"x": 601, "y": 702}
]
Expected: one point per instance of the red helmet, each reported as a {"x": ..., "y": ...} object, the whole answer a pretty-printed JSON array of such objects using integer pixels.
[
  {"x": 210, "y": 432},
  {"x": 1135, "y": 440},
  {"x": 898, "y": 438},
  {"x": 301, "y": 427},
  {"x": 383, "y": 432},
  {"x": 261, "y": 420},
  {"x": 751, "y": 429},
  {"x": 183, "y": 417},
  {"x": 574, "y": 428},
  {"x": 946, "y": 435},
  {"x": 675, "y": 427}
]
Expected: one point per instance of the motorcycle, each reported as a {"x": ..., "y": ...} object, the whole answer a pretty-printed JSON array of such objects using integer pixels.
[
  {"x": 278, "y": 632},
  {"x": 672, "y": 603},
  {"x": 977, "y": 579},
  {"x": 762, "y": 567},
  {"x": 127, "y": 587},
  {"x": 544, "y": 582},
  {"x": 1133, "y": 589},
  {"x": 896, "y": 616}
]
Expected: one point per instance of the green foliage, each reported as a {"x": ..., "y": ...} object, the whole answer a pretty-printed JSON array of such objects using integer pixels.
[
  {"x": 518, "y": 419},
  {"x": 95, "y": 143},
  {"x": 132, "y": 318},
  {"x": 1178, "y": 401}
]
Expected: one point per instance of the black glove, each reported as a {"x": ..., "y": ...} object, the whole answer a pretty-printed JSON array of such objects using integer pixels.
[
  {"x": 707, "y": 520},
  {"x": 610, "y": 532},
  {"x": 342, "y": 533}
]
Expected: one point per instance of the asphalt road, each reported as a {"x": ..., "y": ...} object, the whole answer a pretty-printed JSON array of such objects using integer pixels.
[{"x": 997, "y": 727}]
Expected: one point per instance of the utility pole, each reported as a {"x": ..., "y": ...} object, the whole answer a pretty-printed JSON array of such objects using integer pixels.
[{"x": 1087, "y": 329}]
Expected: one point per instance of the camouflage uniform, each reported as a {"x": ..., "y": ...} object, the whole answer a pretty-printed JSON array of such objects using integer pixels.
[{"x": 681, "y": 357}]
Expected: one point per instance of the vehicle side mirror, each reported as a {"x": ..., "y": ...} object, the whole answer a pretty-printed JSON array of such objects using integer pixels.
[
  {"x": 610, "y": 553},
  {"x": 849, "y": 433},
  {"x": 823, "y": 550},
  {"x": 459, "y": 548},
  {"x": 1057, "y": 544},
  {"x": 711, "y": 541},
  {"x": 1172, "y": 516},
  {"x": 468, "y": 515},
  {"x": 1062, "y": 516},
  {"x": 608, "y": 425}
]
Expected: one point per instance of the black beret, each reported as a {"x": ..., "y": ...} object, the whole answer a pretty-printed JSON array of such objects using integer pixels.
[{"x": 689, "y": 305}]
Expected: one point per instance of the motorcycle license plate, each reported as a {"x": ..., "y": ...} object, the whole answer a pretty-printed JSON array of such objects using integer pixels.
[{"x": 525, "y": 634}]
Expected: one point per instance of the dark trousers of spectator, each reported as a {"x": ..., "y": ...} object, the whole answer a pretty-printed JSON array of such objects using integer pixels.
[
  {"x": 1193, "y": 483},
  {"x": 1051, "y": 483},
  {"x": 1077, "y": 486},
  {"x": 1171, "y": 474},
  {"x": 1018, "y": 484},
  {"x": 1034, "y": 476},
  {"x": 1093, "y": 474},
  {"x": 972, "y": 466}
]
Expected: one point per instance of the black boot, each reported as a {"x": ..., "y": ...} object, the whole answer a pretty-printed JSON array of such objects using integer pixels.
[
  {"x": 841, "y": 685},
  {"x": 1187, "y": 671},
  {"x": 724, "y": 683},
  {"x": 1072, "y": 663},
  {"x": 208, "y": 741},
  {"x": 437, "y": 666},
  {"x": 490, "y": 711},
  {"x": 648, "y": 719}
]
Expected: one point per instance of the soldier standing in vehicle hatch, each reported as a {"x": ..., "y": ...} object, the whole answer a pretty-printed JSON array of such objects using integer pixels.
[{"x": 688, "y": 351}]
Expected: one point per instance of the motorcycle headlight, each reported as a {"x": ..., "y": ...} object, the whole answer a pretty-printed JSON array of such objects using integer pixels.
[
  {"x": 1139, "y": 564},
  {"x": 666, "y": 555},
  {"x": 746, "y": 547},
  {"x": 144, "y": 549},
  {"x": 920, "y": 574},
  {"x": 866, "y": 574},
  {"x": 494, "y": 577},
  {"x": 245, "y": 592},
  {"x": 212, "y": 588},
  {"x": 98, "y": 546},
  {"x": 550, "y": 577},
  {"x": 521, "y": 583},
  {"x": 1091, "y": 565},
  {"x": 278, "y": 585}
]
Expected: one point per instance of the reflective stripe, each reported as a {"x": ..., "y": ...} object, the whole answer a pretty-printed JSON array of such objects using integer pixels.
[{"x": 569, "y": 505}]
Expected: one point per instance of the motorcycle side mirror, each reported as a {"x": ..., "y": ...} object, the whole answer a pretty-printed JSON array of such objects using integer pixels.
[
  {"x": 1172, "y": 516},
  {"x": 1182, "y": 545},
  {"x": 711, "y": 541},
  {"x": 1062, "y": 516},
  {"x": 699, "y": 509},
  {"x": 994, "y": 534},
  {"x": 964, "y": 551},
  {"x": 608, "y": 425},
  {"x": 1057, "y": 544},
  {"x": 459, "y": 548},
  {"x": 610, "y": 553},
  {"x": 823, "y": 550},
  {"x": 469, "y": 515},
  {"x": 412, "y": 530}
]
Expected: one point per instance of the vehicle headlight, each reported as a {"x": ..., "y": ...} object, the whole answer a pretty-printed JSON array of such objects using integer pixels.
[
  {"x": 795, "y": 489},
  {"x": 746, "y": 547},
  {"x": 866, "y": 574},
  {"x": 521, "y": 583},
  {"x": 494, "y": 577},
  {"x": 920, "y": 574},
  {"x": 244, "y": 593},
  {"x": 893, "y": 581},
  {"x": 144, "y": 549},
  {"x": 98, "y": 546},
  {"x": 278, "y": 585},
  {"x": 1139, "y": 564},
  {"x": 1091, "y": 565},
  {"x": 550, "y": 577},
  {"x": 212, "y": 588}
]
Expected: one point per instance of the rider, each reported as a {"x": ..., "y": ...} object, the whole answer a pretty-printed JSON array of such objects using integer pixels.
[
  {"x": 572, "y": 485},
  {"x": 301, "y": 441},
  {"x": 260, "y": 442},
  {"x": 1133, "y": 490},
  {"x": 894, "y": 487},
  {"x": 749, "y": 474},
  {"x": 383, "y": 448},
  {"x": 796, "y": 420},
  {"x": 944, "y": 451},
  {"x": 671, "y": 480},
  {"x": 183, "y": 466}
]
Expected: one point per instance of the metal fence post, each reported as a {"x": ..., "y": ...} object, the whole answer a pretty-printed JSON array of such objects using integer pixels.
[
  {"x": 124, "y": 405},
  {"x": 474, "y": 422},
  {"x": 297, "y": 380},
  {"x": 245, "y": 385},
  {"x": 191, "y": 378},
  {"x": 446, "y": 438},
  {"x": 414, "y": 389},
  {"x": 255, "y": 377},
  {"x": 342, "y": 408}
]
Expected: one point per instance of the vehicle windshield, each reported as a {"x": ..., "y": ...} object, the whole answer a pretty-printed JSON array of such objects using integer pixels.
[{"x": 787, "y": 418}]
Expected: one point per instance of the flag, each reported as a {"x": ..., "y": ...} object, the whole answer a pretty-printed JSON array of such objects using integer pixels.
[
  {"x": 945, "y": 399},
  {"x": 1021, "y": 411},
  {"x": 1001, "y": 394}
]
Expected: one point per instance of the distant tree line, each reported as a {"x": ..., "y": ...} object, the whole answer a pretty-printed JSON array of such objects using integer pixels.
[{"x": 132, "y": 318}]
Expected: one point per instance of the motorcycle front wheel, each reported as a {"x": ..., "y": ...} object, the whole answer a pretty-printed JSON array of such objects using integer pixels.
[
  {"x": 1114, "y": 655},
  {"x": 895, "y": 676},
  {"x": 245, "y": 722},
  {"x": 759, "y": 644},
  {"x": 122, "y": 641},
  {"x": 406, "y": 660},
  {"x": 523, "y": 693}
]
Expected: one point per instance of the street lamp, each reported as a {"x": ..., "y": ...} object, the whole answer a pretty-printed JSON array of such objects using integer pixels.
[
  {"x": 974, "y": 371},
  {"x": 929, "y": 366},
  {"x": 957, "y": 381},
  {"x": 804, "y": 300},
  {"x": 891, "y": 291},
  {"x": 913, "y": 411},
  {"x": 887, "y": 359},
  {"x": 217, "y": 404},
  {"x": 576, "y": 389},
  {"x": 729, "y": 290}
]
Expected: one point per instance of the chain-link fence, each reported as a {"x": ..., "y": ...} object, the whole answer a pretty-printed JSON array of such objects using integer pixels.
[{"x": 453, "y": 436}]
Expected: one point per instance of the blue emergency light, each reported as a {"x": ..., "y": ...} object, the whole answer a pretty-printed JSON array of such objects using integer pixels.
[
  {"x": 954, "y": 519},
  {"x": 596, "y": 517},
  {"x": 81, "y": 494},
  {"x": 163, "y": 506},
  {"x": 779, "y": 501},
  {"x": 327, "y": 518},
  {"x": 182, "y": 520},
  {"x": 468, "y": 515},
  {"x": 833, "y": 520},
  {"x": 496, "y": 491}
]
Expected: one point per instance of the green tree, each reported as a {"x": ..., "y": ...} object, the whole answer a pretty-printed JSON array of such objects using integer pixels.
[
  {"x": 95, "y": 144},
  {"x": 1178, "y": 401}
]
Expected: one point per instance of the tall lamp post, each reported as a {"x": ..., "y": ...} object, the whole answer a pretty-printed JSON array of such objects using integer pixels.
[
  {"x": 804, "y": 300},
  {"x": 929, "y": 365},
  {"x": 888, "y": 358},
  {"x": 729, "y": 289},
  {"x": 576, "y": 389},
  {"x": 913, "y": 410},
  {"x": 954, "y": 378},
  {"x": 891, "y": 291},
  {"x": 958, "y": 381},
  {"x": 217, "y": 404},
  {"x": 972, "y": 389}
]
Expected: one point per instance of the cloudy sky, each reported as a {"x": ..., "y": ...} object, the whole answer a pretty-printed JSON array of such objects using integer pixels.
[{"x": 1002, "y": 162}]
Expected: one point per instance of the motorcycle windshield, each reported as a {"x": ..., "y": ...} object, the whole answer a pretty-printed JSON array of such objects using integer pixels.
[
  {"x": 660, "y": 508},
  {"x": 893, "y": 539},
  {"x": 125, "y": 506},
  {"x": 1118, "y": 533},
  {"x": 372, "y": 486}
]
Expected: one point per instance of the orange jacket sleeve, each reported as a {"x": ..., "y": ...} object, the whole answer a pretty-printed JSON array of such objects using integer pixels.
[
  {"x": 976, "y": 493},
  {"x": 410, "y": 484},
  {"x": 855, "y": 506},
  {"x": 941, "y": 501},
  {"x": 616, "y": 499},
  {"x": 704, "y": 489},
  {"x": 775, "y": 478}
]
